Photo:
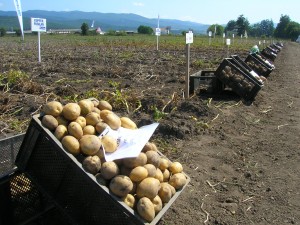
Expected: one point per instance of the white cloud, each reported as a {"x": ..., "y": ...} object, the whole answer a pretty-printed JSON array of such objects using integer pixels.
[{"x": 140, "y": 4}]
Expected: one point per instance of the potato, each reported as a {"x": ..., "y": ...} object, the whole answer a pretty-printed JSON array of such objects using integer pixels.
[
  {"x": 81, "y": 120},
  {"x": 157, "y": 204},
  {"x": 49, "y": 122},
  {"x": 159, "y": 175},
  {"x": 90, "y": 144},
  {"x": 127, "y": 123},
  {"x": 109, "y": 170},
  {"x": 75, "y": 130},
  {"x": 129, "y": 200},
  {"x": 149, "y": 146},
  {"x": 151, "y": 170},
  {"x": 120, "y": 185},
  {"x": 71, "y": 111},
  {"x": 92, "y": 118},
  {"x": 95, "y": 102},
  {"x": 62, "y": 120},
  {"x": 53, "y": 108},
  {"x": 177, "y": 180},
  {"x": 164, "y": 164},
  {"x": 92, "y": 164},
  {"x": 71, "y": 144},
  {"x": 100, "y": 127},
  {"x": 141, "y": 160},
  {"x": 89, "y": 129},
  {"x": 166, "y": 175},
  {"x": 86, "y": 106},
  {"x": 146, "y": 209},
  {"x": 109, "y": 143},
  {"x": 102, "y": 105},
  {"x": 100, "y": 179},
  {"x": 148, "y": 187},
  {"x": 112, "y": 120},
  {"x": 175, "y": 167},
  {"x": 60, "y": 131},
  {"x": 96, "y": 110},
  {"x": 138, "y": 174},
  {"x": 165, "y": 192},
  {"x": 153, "y": 158}
]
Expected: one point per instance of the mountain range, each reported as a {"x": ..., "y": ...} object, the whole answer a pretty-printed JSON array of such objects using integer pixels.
[{"x": 106, "y": 21}]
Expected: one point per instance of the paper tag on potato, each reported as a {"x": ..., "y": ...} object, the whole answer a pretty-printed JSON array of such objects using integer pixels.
[{"x": 130, "y": 142}]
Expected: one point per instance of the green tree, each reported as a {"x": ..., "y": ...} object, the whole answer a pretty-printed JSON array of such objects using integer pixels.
[
  {"x": 293, "y": 30},
  {"x": 267, "y": 28},
  {"x": 219, "y": 29},
  {"x": 84, "y": 29},
  {"x": 145, "y": 29},
  {"x": 242, "y": 25},
  {"x": 254, "y": 30},
  {"x": 230, "y": 26},
  {"x": 2, "y": 31},
  {"x": 280, "y": 31}
]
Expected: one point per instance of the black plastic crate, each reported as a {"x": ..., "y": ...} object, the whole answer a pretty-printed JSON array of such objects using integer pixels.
[
  {"x": 9, "y": 148},
  {"x": 237, "y": 80},
  {"x": 245, "y": 68},
  {"x": 205, "y": 79},
  {"x": 258, "y": 66},
  {"x": 269, "y": 54},
  {"x": 76, "y": 192}
]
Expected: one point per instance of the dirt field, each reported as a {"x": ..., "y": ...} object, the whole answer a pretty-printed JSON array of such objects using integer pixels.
[{"x": 243, "y": 159}]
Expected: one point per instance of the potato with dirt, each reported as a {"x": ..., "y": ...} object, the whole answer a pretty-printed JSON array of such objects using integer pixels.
[
  {"x": 109, "y": 170},
  {"x": 109, "y": 143},
  {"x": 92, "y": 164},
  {"x": 178, "y": 180},
  {"x": 86, "y": 106},
  {"x": 60, "y": 132},
  {"x": 75, "y": 130},
  {"x": 146, "y": 209},
  {"x": 120, "y": 185},
  {"x": 148, "y": 187},
  {"x": 49, "y": 122},
  {"x": 71, "y": 111},
  {"x": 90, "y": 144},
  {"x": 71, "y": 144},
  {"x": 140, "y": 160},
  {"x": 53, "y": 108}
]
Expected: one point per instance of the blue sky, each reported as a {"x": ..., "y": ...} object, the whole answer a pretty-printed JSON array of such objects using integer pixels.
[{"x": 201, "y": 11}]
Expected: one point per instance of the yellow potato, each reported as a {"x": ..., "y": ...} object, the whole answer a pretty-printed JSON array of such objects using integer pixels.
[
  {"x": 157, "y": 204},
  {"x": 71, "y": 111},
  {"x": 151, "y": 170},
  {"x": 148, "y": 187},
  {"x": 104, "y": 105},
  {"x": 138, "y": 174},
  {"x": 159, "y": 175},
  {"x": 49, "y": 122},
  {"x": 75, "y": 130},
  {"x": 141, "y": 160},
  {"x": 120, "y": 185},
  {"x": 96, "y": 110},
  {"x": 109, "y": 143},
  {"x": 81, "y": 120},
  {"x": 166, "y": 175},
  {"x": 164, "y": 164},
  {"x": 92, "y": 118},
  {"x": 91, "y": 164},
  {"x": 90, "y": 144},
  {"x": 149, "y": 146},
  {"x": 71, "y": 144},
  {"x": 129, "y": 200},
  {"x": 127, "y": 123},
  {"x": 62, "y": 120},
  {"x": 89, "y": 129},
  {"x": 111, "y": 119},
  {"x": 100, "y": 127},
  {"x": 109, "y": 170},
  {"x": 175, "y": 167},
  {"x": 53, "y": 108},
  {"x": 146, "y": 209},
  {"x": 153, "y": 158},
  {"x": 86, "y": 106},
  {"x": 60, "y": 131},
  {"x": 178, "y": 180},
  {"x": 165, "y": 192}
]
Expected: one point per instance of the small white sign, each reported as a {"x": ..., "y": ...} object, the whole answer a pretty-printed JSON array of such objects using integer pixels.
[
  {"x": 259, "y": 42},
  {"x": 264, "y": 41},
  {"x": 209, "y": 33},
  {"x": 232, "y": 35},
  {"x": 38, "y": 24},
  {"x": 227, "y": 41},
  {"x": 157, "y": 31},
  {"x": 223, "y": 35},
  {"x": 189, "y": 37}
]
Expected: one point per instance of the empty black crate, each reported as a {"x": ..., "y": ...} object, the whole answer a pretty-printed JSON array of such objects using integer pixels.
[
  {"x": 258, "y": 66},
  {"x": 237, "y": 80},
  {"x": 207, "y": 80},
  {"x": 76, "y": 192}
]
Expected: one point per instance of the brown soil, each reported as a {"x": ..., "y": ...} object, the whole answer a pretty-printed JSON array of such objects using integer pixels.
[{"x": 243, "y": 159}]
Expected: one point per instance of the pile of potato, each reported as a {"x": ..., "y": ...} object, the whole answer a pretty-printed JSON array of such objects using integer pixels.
[
  {"x": 257, "y": 67},
  {"x": 144, "y": 183},
  {"x": 236, "y": 79}
]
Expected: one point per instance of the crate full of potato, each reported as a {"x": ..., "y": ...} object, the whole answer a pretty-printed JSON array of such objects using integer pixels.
[{"x": 73, "y": 154}]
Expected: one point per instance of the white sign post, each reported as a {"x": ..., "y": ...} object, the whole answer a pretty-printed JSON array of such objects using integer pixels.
[
  {"x": 223, "y": 38},
  {"x": 232, "y": 38},
  {"x": 209, "y": 35},
  {"x": 157, "y": 32},
  {"x": 227, "y": 43},
  {"x": 38, "y": 25},
  {"x": 189, "y": 39}
]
